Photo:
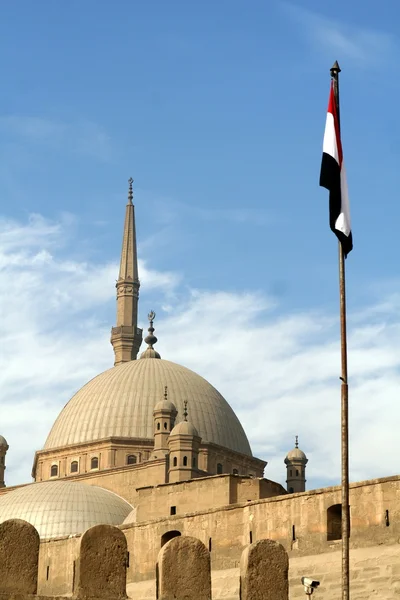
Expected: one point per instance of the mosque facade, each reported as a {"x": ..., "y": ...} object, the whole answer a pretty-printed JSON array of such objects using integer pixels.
[{"x": 153, "y": 448}]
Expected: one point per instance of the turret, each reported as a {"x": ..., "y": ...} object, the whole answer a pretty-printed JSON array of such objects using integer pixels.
[
  {"x": 3, "y": 452},
  {"x": 184, "y": 444},
  {"x": 164, "y": 420},
  {"x": 295, "y": 462}
]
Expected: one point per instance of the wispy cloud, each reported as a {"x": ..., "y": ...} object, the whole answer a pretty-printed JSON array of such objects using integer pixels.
[
  {"x": 278, "y": 371},
  {"x": 79, "y": 137},
  {"x": 361, "y": 46}
]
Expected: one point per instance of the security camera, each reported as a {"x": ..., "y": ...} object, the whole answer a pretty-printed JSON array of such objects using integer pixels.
[{"x": 309, "y": 585}]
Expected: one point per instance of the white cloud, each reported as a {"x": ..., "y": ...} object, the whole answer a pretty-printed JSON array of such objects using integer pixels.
[
  {"x": 279, "y": 371},
  {"x": 358, "y": 45}
]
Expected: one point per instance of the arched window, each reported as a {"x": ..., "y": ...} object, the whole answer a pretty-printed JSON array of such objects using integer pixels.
[
  {"x": 297, "y": 473},
  {"x": 131, "y": 459},
  {"x": 74, "y": 466},
  {"x": 235, "y": 472},
  {"x": 185, "y": 461},
  {"x": 158, "y": 426},
  {"x": 94, "y": 463},
  {"x": 291, "y": 490},
  {"x": 334, "y": 522},
  {"x": 165, "y": 426},
  {"x": 168, "y": 536},
  {"x": 54, "y": 471},
  {"x": 175, "y": 461},
  {"x": 219, "y": 469},
  {"x": 291, "y": 472}
]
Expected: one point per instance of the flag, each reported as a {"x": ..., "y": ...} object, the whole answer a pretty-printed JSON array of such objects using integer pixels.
[{"x": 333, "y": 178}]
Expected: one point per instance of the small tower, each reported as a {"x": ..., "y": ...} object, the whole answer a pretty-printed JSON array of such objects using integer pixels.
[
  {"x": 3, "y": 452},
  {"x": 184, "y": 444},
  {"x": 164, "y": 420},
  {"x": 150, "y": 339},
  {"x": 126, "y": 337},
  {"x": 295, "y": 462}
]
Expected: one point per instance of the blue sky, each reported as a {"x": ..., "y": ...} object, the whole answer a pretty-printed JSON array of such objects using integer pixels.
[{"x": 217, "y": 110}]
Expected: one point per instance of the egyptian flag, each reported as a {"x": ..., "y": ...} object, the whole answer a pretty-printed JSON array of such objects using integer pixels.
[{"x": 333, "y": 177}]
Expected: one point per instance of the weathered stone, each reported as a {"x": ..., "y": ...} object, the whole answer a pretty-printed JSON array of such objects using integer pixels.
[
  {"x": 101, "y": 571},
  {"x": 264, "y": 570},
  {"x": 19, "y": 555},
  {"x": 184, "y": 570}
]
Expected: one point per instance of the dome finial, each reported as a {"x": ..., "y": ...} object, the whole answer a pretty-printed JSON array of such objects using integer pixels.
[
  {"x": 185, "y": 411},
  {"x": 166, "y": 393},
  {"x": 297, "y": 441},
  {"x": 150, "y": 339},
  {"x": 130, "y": 191}
]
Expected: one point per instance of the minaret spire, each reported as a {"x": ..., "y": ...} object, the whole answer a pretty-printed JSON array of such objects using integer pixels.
[{"x": 126, "y": 337}]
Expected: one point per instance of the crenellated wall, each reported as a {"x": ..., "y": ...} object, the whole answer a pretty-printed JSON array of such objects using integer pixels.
[{"x": 227, "y": 530}]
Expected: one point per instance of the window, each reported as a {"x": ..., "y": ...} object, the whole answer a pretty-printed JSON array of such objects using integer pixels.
[
  {"x": 291, "y": 490},
  {"x": 293, "y": 533},
  {"x": 158, "y": 426},
  {"x": 209, "y": 544},
  {"x": 74, "y": 466},
  {"x": 334, "y": 522},
  {"x": 175, "y": 461},
  {"x": 219, "y": 469},
  {"x": 291, "y": 472},
  {"x": 297, "y": 473},
  {"x": 94, "y": 463},
  {"x": 185, "y": 461},
  {"x": 235, "y": 472},
  {"x": 54, "y": 471},
  {"x": 166, "y": 426},
  {"x": 194, "y": 462},
  {"x": 173, "y": 510},
  {"x": 168, "y": 536},
  {"x": 131, "y": 459},
  {"x": 251, "y": 537}
]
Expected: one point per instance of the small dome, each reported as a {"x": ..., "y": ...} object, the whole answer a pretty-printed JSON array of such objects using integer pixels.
[
  {"x": 3, "y": 441},
  {"x": 61, "y": 508},
  {"x": 184, "y": 428},
  {"x": 296, "y": 454},
  {"x": 165, "y": 405},
  {"x": 150, "y": 353}
]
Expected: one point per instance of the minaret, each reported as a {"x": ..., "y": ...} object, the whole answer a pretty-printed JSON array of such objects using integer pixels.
[
  {"x": 3, "y": 452},
  {"x": 296, "y": 462},
  {"x": 126, "y": 337}
]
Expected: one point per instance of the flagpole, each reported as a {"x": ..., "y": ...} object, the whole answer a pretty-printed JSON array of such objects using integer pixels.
[{"x": 335, "y": 70}]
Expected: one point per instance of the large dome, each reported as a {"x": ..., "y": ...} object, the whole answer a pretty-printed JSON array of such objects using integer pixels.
[
  {"x": 60, "y": 508},
  {"x": 120, "y": 403}
]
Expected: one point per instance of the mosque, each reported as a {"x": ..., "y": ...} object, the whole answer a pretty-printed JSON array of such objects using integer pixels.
[{"x": 153, "y": 448}]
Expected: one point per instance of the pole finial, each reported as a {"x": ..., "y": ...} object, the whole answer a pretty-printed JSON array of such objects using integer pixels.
[
  {"x": 130, "y": 191},
  {"x": 166, "y": 393},
  {"x": 297, "y": 441},
  {"x": 185, "y": 411},
  {"x": 335, "y": 69}
]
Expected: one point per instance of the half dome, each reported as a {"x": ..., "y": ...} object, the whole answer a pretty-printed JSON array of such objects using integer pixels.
[
  {"x": 60, "y": 508},
  {"x": 120, "y": 403}
]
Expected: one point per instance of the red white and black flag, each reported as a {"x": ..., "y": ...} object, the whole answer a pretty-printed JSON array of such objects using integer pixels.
[{"x": 333, "y": 177}]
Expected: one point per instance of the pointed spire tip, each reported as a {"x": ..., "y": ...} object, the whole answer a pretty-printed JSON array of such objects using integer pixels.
[
  {"x": 335, "y": 68},
  {"x": 130, "y": 191}
]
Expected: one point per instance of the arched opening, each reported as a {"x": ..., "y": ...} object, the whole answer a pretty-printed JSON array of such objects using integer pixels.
[
  {"x": 334, "y": 522},
  {"x": 54, "y": 471},
  {"x": 131, "y": 459},
  {"x": 291, "y": 472},
  {"x": 74, "y": 466},
  {"x": 291, "y": 490},
  {"x": 235, "y": 472},
  {"x": 94, "y": 463},
  {"x": 219, "y": 469},
  {"x": 168, "y": 536},
  {"x": 175, "y": 461},
  {"x": 297, "y": 472},
  {"x": 158, "y": 426},
  {"x": 185, "y": 461},
  {"x": 165, "y": 426}
]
